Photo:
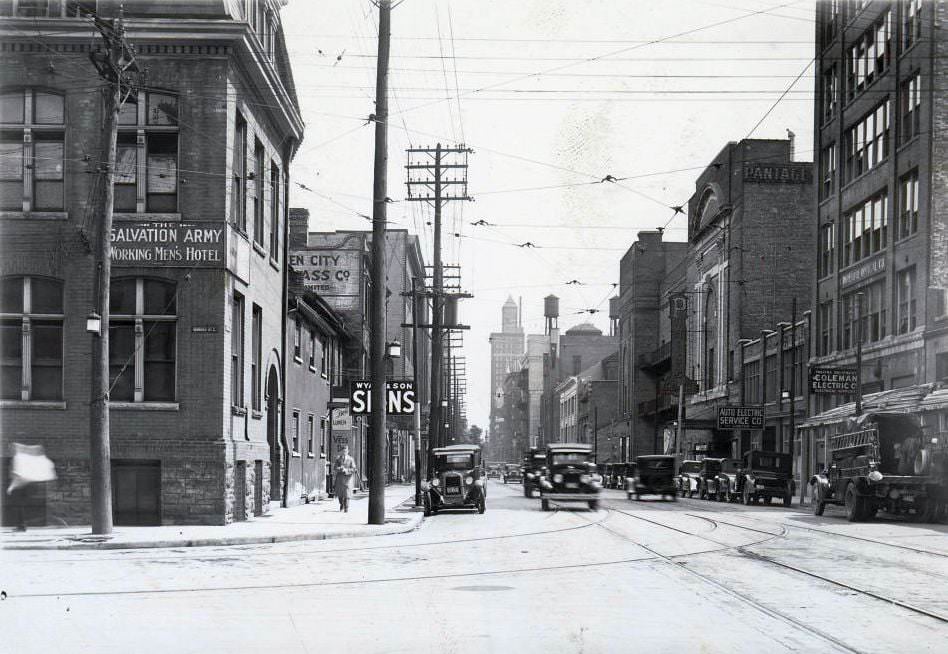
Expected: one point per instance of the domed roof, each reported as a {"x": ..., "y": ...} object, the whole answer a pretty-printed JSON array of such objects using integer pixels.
[{"x": 584, "y": 328}]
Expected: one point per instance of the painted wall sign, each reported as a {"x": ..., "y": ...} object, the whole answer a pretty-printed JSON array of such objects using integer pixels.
[
  {"x": 740, "y": 417},
  {"x": 833, "y": 381},
  {"x": 168, "y": 244},
  {"x": 863, "y": 271},
  {"x": 778, "y": 174},
  {"x": 329, "y": 272}
]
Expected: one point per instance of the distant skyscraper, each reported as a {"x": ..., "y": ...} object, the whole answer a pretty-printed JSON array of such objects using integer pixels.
[{"x": 506, "y": 350}]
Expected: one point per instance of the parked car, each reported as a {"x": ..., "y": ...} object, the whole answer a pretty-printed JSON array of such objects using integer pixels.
[
  {"x": 533, "y": 462},
  {"x": 620, "y": 472},
  {"x": 513, "y": 474},
  {"x": 707, "y": 478},
  {"x": 884, "y": 463},
  {"x": 569, "y": 475},
  {"x": 766, "y": 475},
  {"x": 725, "y": 484},
  {"x": 688, "y": 477},
  {"x": 494, "y": 470},
  {"x": 455, "y": 480},
  {"x": 654, "y": 475}
]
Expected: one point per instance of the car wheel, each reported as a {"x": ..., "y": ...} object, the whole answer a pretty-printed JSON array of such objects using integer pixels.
[
  {"x": 787, "y": 499},
  {"x": 544, "y": 505},
  {"x": 854, "y": 504},
  {"x": 593, "y": 505},
  {"x": 924, "y": 511},
  {"x": 482, "y": 506},
  {"x": 427, "y": 505},
  {"x": 527, "y": 490},
  {"x": 746, "y": 496}
]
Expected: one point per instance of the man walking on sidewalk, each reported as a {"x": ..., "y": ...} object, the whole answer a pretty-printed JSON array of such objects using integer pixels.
[{"x": 345, "y": 469}]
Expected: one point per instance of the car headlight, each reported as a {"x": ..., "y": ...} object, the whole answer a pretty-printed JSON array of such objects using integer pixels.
[
  {"x": 469, "y": 480},
  {"x": 435, "y": 481},
  {"x": 875, "y": 475},
  {"x": 585, "y": 479},
  {"x": 479, "y": 482},
  {"x": 557, "y": 478},
  {"x": 530, "y": 475}
]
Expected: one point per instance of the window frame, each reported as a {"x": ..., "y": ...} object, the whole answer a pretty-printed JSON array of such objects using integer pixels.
[
  {"x": 259, "y": 184},
  {"x": 139, "y": 322},
  {"x": 237, "y": 345},
  {"x": 239, "y": 174},
  {"x": 28, "y": 132},
  {"x": 906, "y": 303},
  {"x": 256, "y": 358},
  {"x": 27, "y": 319},
  {"x": 147, "y": 135}
]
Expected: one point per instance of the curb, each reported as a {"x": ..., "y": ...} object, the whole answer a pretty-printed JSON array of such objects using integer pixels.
[{"x": 396, "y": 526}]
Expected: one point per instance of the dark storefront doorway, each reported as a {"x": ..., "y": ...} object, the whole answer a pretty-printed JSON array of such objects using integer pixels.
[
  {"x": 273, "y": 434},
  {"x": 136, "y": 492}
]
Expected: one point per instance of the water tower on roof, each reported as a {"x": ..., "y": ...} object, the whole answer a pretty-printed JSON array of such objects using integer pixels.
[{"x": 551, "y": 312}]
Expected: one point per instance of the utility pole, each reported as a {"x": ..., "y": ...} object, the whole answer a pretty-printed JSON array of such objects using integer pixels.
[
  {"x": 793, "y": 389},
  {"x": 377, "y": 303},
  {"x": 114, "y": 66},
  {"x": 414, "y": 367},
  {"x": 431, "y": 186}
]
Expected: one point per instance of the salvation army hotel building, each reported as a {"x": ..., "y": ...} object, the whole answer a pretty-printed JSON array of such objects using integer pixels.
[{"x": 199, "y": 248}]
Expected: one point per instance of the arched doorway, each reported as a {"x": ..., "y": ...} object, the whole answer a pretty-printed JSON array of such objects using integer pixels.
[{"x": 273, "y": 435}]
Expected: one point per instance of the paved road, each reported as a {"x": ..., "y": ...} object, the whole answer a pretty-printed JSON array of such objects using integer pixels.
[{"x": 633, "y": 576}]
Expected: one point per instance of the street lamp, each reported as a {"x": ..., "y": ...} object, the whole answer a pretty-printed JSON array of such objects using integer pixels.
[
  {"x": 94, "y": 324},
  {"x": 393, "y": 349}
]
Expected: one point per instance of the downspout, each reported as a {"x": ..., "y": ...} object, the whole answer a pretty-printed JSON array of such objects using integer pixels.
[{"x": 285, "y": 299}]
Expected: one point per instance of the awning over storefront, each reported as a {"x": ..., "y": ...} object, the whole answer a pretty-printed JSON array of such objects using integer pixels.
[{"x": 897, "y": 400}]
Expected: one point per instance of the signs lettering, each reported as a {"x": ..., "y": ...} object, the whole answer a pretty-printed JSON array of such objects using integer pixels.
[
  {"x": 834, "y": 381},
  {"x": 329, "y": 272},
  {"x": 400, "y": 397},
  {"x": 858, "y": 273},
  {"x": 168, "y": 244},
  {"x": 740, "y": 417}
]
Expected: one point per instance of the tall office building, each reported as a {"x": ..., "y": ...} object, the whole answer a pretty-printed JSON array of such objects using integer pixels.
[{"x": 506, "y": 351}]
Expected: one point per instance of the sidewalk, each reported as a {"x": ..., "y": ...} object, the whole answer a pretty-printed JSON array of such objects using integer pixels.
[{"x": 315, "y": 521}]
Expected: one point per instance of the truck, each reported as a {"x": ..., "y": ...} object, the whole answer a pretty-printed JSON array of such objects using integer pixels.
[{"x": 883, "y": 461}]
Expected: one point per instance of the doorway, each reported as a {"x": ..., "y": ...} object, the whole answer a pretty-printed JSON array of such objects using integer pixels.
[
  {"x": 273, "y": 434},
  {"x": 136, "y": 492},
  {"x": 240, "y": 491}
]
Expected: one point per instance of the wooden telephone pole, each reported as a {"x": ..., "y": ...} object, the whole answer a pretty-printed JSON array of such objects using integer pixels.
[
  {"x": 432, "y": 174},
  {"x": 115, "y": 65},
  {"x": 377, "y": 298}
]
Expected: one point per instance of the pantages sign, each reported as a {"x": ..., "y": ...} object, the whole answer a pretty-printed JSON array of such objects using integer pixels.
[
  {"x": 168, "y": 244},
  {"x": 778, "y": 173}
]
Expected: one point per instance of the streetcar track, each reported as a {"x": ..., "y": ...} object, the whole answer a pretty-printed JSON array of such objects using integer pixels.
[{"x": 742, "y": 549}]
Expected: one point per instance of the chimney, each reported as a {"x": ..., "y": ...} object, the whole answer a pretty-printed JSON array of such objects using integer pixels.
[
  {"x": 792, "y": 137},
  {"x": 299, "y": 226}
]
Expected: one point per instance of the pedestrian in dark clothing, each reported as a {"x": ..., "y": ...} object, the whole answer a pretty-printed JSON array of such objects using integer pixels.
[{"x": 345, "y": 470}]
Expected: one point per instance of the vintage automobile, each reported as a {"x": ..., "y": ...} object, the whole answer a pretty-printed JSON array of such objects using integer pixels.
[
  {"x": 707, "y": 478},
  {"x": 883, "y": 461},
  {"x": 455, "y": 480},
  {"x": 654, "y": 475},
  {"x": 764, "y": 476},
  {"x": 533, "y": 462},
  {"x": 687, "y": 479},
  {"x": 569, "y": 475},
  {"x": 621, "y": 472},
  {"x": 513, "y": 473},
  {"x": 494, "y": 470},
  {"x": 725, "y": 484}
]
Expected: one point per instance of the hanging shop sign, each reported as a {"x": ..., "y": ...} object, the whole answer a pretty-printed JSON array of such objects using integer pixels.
[
  {"x": 400, "y": 397},
  {"x": 168, "y": 244},
  {"x": 740, "y": 417},
  {"x": 834, "y": 381}
]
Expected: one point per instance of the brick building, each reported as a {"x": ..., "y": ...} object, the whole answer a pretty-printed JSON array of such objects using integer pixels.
[
  {"x": 882, "y": 202},
  {"x": 598, "y": 395},
  {"x": 336, "y": 265},
  {"x": 506, "y": 352},
  {"x": 751, "y": 246},
  {"x": 198, "y": 250},
  {"x": 649, "y": 273}
]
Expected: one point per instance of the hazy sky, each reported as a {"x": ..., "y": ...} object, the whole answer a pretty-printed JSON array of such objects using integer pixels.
[{"x": 549, "y": 93}]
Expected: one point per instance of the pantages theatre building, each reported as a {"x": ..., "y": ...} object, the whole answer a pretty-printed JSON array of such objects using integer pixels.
[{"x": 199, "y": 249}]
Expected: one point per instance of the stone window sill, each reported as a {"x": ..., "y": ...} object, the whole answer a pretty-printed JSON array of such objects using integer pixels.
[
  {"x": 47, "y": 405},
  {"x": 296, "y": 455},
  {"x": 256, "y": 415},
  {"x": 259, "y": 249},
  {"x": 144, "y": 406},
  {"x": 34, "y": 215},
  {"x": 238, "y": 410},
  {"x": 274, "y": 264}
]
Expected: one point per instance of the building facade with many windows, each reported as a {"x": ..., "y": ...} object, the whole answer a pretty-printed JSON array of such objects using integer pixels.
[
  {"x": 879, "y": 119},
  {"x": 198, "y": 249}
]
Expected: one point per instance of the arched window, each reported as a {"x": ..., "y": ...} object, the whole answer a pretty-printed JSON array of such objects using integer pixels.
[
  {"x": 710, "y": 334},
  {"x": 142, "y": 340},
  {"x": 31, "y": 338},
  {"x": 32, "y": 148}
]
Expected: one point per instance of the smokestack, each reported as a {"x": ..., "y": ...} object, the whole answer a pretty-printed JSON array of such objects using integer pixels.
[{"x": 792, "y": 137}]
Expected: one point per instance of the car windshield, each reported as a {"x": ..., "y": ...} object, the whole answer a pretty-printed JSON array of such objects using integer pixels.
[
  {"x": 454, "y": 462},
  {"x": 655, "y": 464},
  {"x": 729, "y": 465},
  {"x": 564, "y": 458},
  {"x": 690, "y": 466},
  {"x": 778, "y": 462},
  {"x": 712, "y": 466}
]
